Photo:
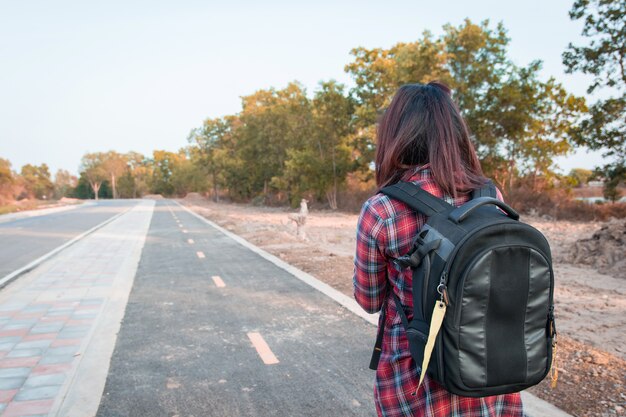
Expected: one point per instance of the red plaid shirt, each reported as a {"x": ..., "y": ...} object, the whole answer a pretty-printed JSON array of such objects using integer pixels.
[{"x": 385, "y": 231}]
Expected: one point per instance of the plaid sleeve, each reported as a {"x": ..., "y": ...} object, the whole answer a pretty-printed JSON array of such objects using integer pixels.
[{"x": 370, "y": 265}]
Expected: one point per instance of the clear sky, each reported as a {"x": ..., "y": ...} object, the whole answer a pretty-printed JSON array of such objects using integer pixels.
[{"x": 83, "y": 76}]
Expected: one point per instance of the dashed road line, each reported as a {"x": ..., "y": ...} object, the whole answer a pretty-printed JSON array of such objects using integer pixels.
[
  {"x": 200, "y": 255},
  {"x": 262, "y": 348},
  {"x": 219, "y": 283}
]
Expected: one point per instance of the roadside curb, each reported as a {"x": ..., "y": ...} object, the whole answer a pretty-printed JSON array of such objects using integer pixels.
[
  {"x": 7, "y": 279},
  {"x": 533, "y": 406}
]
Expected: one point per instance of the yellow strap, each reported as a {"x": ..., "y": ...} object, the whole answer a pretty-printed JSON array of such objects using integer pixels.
[
  {"x": 435, "y": 324},
  {"x": 554, "y": 366}
]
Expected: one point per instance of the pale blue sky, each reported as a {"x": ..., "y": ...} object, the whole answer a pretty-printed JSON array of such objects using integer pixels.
[{"x": 82, "y": 76}]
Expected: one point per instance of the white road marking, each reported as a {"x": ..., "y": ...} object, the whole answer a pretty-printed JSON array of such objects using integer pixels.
[
  {"x": 262, "y": 348},
  {"x": 185, "y": 231},
  {"x": 219, "y": 283},
  {"x": 190, "y": 241},
  {"x": 200, "y": 254}
]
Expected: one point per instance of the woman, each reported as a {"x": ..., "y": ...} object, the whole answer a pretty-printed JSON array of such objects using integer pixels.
[{"x": 422, "y": 138}]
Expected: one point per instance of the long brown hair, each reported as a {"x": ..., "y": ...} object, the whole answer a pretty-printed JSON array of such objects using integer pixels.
[{"x": 423, "y": 125}]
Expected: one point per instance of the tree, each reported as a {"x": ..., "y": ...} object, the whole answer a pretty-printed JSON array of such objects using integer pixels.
[
  {"x": 37, "y": 181},
  {"x": 7, "y": 179},
  {"x": 604, "y": 59},
  {"x": 138, "y": 174},
  {"x": 272, "y": 121},
  {"x": 519, "y": 123},
  {"x": 164, "y": 164},
  {"x": 580, "y": 176},
  {"x": 115, "y": 165},
  {"x": 615, "y": 174},
  {"x": 323, "y": 162},
  {"x": 92, "y": 168},
  {"x": 188, "y": 176},
  {"x": 208, "y": 146},
  {"x": 64, "y": 183}
]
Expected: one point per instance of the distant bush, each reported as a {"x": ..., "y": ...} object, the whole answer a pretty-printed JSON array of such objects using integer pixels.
[{"x": 559, "y": 205}]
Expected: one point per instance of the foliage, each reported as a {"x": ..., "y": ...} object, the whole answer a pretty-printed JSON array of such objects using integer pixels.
[
  {"x": 37, "y": 181},
  {"x": 580, "y": 176},
  {"x": 519, "y": 122},
  {"x": 615, "y": 175},
  {"x": 64, "y": 183},
  {"x": 322, "y": 163},
  {"x": 6, "y": 179},
  {"x": 93, "y": 170},
  {"x": 114, "y": 165},
  {"x": 603, "y": 58}
]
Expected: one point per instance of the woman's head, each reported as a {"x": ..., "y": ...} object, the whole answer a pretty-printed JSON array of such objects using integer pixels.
[{"x": 423, "y": 125}]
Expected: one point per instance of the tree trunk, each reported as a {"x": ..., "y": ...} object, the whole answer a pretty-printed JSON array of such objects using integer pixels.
[
  {"x": 331, "y": 196},
  {"x": 95, "y": 186},
  {"x": 333, "y": 205},
  {"x": 216, "y": 196},
  {"x": 113, "y": 185}
]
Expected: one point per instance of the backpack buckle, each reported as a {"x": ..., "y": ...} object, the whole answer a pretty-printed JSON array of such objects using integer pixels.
[{"x": 420, "y": 249}]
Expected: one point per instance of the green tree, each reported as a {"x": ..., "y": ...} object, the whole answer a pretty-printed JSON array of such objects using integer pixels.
[
  {"x": 37, "y": 181},
  {"x": 115, "y": 165},
  {"x": 323, "y": 162},
  {"x": 164, "y": 164},
  {"x": 188, "y": 176},
  {"x": 271, "y": 122},
  {"x": 580, "y": 176},
  {"x": 93, "y": 171},
  {"x": 209, "y": 150},
  {"x": 139, "y": 170},
  {"x": 64, "y": 183},
  {"x": 519, "y": 123},
  {"x": 603, "y": 58}
]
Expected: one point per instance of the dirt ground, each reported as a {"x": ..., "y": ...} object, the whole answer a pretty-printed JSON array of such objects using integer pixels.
[
  {"x": 590, "y": 306},
  {"x": 10, "y": 206}
]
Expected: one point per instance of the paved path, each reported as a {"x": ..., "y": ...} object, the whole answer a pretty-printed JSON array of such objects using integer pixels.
[
  {"x": 211, "y": 327},
  {"x": 27, "y": 238},
  {"x": 186, "y": 345},
  {"x": 56, "y": 318}
]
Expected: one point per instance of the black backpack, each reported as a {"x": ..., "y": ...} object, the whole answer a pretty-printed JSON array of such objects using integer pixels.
[{"x": 494, "y": 274}]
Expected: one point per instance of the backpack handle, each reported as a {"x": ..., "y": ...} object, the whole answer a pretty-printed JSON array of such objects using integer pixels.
[{"x": 459, "y": 214}]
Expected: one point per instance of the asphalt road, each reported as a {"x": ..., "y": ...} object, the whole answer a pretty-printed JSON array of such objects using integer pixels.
[
  {"x": 184, "y": 347},
  {"x": 24, "y": 240}
]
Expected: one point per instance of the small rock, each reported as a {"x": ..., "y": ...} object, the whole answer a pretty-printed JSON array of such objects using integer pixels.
[{"x": 599, "y": 359}]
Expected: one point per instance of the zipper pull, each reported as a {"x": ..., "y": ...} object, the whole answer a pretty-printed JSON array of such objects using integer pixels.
[{"x": 443, "y": 290}]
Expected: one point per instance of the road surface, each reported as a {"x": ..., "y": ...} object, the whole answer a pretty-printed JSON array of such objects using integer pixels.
[
  {"x": 26, "y": 239},
  {"x": 185, "y": 349},
  {"x": 159, "y": 313}
]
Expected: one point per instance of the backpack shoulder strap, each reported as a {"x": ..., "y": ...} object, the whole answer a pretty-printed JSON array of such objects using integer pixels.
[
  {"x": 487, "y": 190},
  {"x": 418, "y": 199}
]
